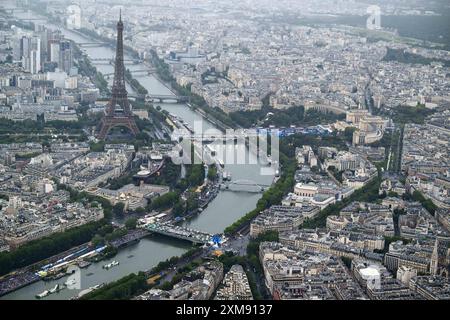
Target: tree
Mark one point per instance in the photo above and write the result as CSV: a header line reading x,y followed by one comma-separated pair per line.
x,y
97,240
165,201
212,173
178,208
130,224
426,203
348,133
43,248
393,194
118,209
347,261
140,210
192,202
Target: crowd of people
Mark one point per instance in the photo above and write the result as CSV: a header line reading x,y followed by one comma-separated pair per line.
x,y
17,280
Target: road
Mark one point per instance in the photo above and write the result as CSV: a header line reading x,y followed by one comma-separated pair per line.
x,y
237,244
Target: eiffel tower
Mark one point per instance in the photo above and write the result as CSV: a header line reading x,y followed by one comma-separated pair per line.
x,y
118,111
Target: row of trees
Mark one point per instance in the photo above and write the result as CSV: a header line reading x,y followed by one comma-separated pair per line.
x,y
403,56
272,196
44,248
134,83
169,175
122,289
406,114
108,233
87,69
368,193
165,201
288,144
426,203
163,71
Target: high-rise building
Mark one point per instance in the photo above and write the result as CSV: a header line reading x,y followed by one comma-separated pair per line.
x,y
65,56
53,37
31,54
54,51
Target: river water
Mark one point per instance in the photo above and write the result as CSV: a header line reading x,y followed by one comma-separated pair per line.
x,y
226,208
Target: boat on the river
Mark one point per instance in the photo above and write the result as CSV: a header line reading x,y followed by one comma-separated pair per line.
x,y
110,265
43,294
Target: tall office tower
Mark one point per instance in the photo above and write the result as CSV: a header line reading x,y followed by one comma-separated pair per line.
x,y
31,54
118,112
65,62
43,35
54,51
53,37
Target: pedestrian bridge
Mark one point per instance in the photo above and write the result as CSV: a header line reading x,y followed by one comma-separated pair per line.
x,y
179,232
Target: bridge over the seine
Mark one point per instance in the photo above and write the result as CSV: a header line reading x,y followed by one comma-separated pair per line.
x,y
178,232
133,72
112,61
168,98
92,45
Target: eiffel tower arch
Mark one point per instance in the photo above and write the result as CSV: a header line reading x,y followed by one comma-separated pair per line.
x,y
118,112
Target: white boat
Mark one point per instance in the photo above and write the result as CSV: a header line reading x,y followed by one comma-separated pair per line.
x,y
110,265
42,294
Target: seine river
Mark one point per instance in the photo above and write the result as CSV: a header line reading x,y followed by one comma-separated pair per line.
x,y
226,208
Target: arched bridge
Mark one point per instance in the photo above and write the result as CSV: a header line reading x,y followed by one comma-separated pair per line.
x,y
167,98
112,61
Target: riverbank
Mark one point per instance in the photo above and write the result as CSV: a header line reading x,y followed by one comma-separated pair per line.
x,y
27,275
197,103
